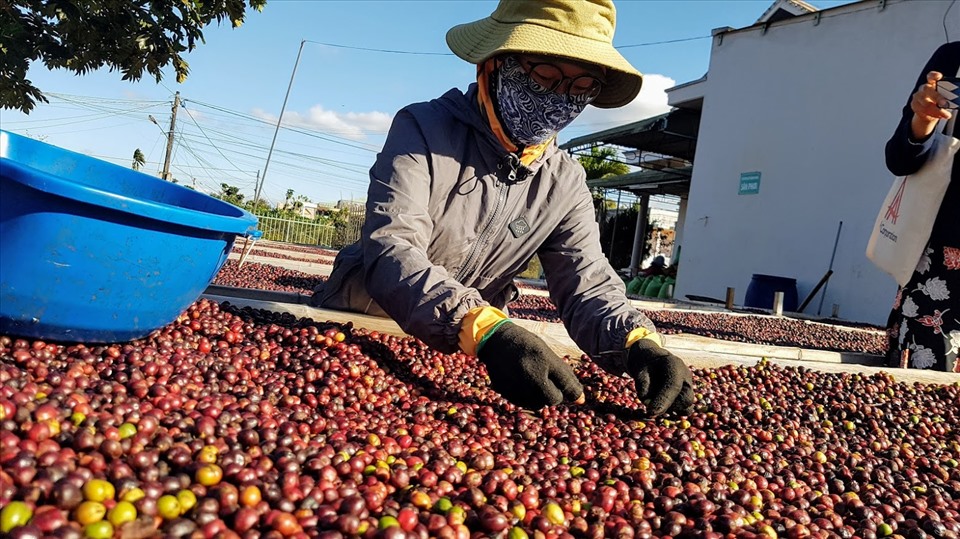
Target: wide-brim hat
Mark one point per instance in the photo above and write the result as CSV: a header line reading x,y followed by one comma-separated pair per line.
x,y
580,30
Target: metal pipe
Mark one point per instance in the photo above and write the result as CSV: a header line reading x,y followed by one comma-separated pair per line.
x,y
823,295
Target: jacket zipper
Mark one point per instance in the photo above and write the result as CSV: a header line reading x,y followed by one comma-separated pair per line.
x,y
503,189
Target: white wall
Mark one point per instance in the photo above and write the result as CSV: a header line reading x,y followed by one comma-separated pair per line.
x,y
810,107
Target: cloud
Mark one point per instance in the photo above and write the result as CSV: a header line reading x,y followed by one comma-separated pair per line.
x,y
351,125
197,114
651,101
136,96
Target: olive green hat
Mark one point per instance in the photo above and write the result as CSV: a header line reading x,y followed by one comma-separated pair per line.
x,y
580,30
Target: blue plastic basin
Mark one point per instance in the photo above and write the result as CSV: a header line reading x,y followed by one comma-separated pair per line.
x,y
95,252
761,289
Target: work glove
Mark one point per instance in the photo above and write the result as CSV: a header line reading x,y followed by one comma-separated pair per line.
x,y
663,381
525,371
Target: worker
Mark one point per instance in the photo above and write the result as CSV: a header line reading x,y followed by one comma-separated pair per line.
x,y
470,186
924,326
656,267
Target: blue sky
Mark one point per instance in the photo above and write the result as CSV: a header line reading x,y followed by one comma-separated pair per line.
x,y
342,99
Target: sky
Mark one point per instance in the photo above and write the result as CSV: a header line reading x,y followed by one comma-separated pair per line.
x,y
342,99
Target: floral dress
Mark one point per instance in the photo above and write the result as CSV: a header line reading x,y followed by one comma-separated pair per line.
x,y
926,313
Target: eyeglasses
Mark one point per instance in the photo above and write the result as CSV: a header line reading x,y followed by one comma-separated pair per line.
x,y
549,78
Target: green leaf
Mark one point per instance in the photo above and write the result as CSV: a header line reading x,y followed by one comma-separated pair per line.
x,y
83,35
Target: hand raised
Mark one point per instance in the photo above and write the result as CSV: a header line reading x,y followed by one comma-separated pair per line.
x,y
926,105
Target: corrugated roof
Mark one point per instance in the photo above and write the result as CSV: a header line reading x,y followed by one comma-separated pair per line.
x,y
672,134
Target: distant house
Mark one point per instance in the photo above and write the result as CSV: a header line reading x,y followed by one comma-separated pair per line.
x,y
351,205
784,137
310,210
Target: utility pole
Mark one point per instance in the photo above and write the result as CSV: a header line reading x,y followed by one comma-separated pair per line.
x,y
256,192
173,123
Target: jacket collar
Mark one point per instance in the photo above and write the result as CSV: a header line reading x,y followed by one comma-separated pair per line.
x,y
465,107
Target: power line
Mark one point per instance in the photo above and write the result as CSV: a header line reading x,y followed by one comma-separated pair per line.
x,y
946,33
630,46
289,165
148,162
324,174
665,42
80,118
101,115
428,53
155,142
236,127
74,130
208,139
344,165
388,51
202,162
68,97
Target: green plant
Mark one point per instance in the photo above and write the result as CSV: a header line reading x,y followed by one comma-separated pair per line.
x,y
138,159
534,269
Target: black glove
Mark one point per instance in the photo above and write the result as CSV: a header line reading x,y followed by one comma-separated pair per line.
x,y
663,380
525,371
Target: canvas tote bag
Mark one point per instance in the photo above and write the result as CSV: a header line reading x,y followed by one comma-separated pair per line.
x,y
906,217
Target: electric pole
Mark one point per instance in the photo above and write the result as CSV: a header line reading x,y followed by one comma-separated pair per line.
x,y
173,123
256,192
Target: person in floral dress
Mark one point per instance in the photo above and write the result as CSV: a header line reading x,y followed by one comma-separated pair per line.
x,y
924,327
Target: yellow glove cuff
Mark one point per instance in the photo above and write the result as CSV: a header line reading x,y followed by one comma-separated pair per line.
x,y
643,333
477,322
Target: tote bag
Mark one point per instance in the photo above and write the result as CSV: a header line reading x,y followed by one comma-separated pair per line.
x,y
906,218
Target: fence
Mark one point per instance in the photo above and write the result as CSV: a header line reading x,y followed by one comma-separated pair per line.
x,y
294,231
349,232
308,232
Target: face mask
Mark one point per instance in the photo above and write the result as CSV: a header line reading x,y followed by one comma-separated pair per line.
x,y
530,115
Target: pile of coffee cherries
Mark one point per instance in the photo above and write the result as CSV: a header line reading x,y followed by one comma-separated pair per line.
x,y
240,423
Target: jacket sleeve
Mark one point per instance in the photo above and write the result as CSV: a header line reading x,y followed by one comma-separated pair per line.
x,y
421,297
589,295
905,155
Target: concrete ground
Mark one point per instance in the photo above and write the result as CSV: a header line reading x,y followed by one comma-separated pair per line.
x,y
697,351
316,268
313,267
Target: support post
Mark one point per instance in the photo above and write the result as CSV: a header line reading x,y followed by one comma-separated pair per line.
x,y
616,217
639,235
730,295
830,269
283,108
778,303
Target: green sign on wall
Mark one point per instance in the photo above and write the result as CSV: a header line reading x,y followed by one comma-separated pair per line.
x,y
749,183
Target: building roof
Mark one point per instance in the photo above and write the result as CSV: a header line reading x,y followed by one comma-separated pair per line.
x,y
650,182
672,134
785,9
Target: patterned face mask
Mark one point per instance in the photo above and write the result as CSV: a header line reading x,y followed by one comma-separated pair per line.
x,y
529,114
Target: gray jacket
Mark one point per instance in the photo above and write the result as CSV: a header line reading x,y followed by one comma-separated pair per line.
x,y
452,218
